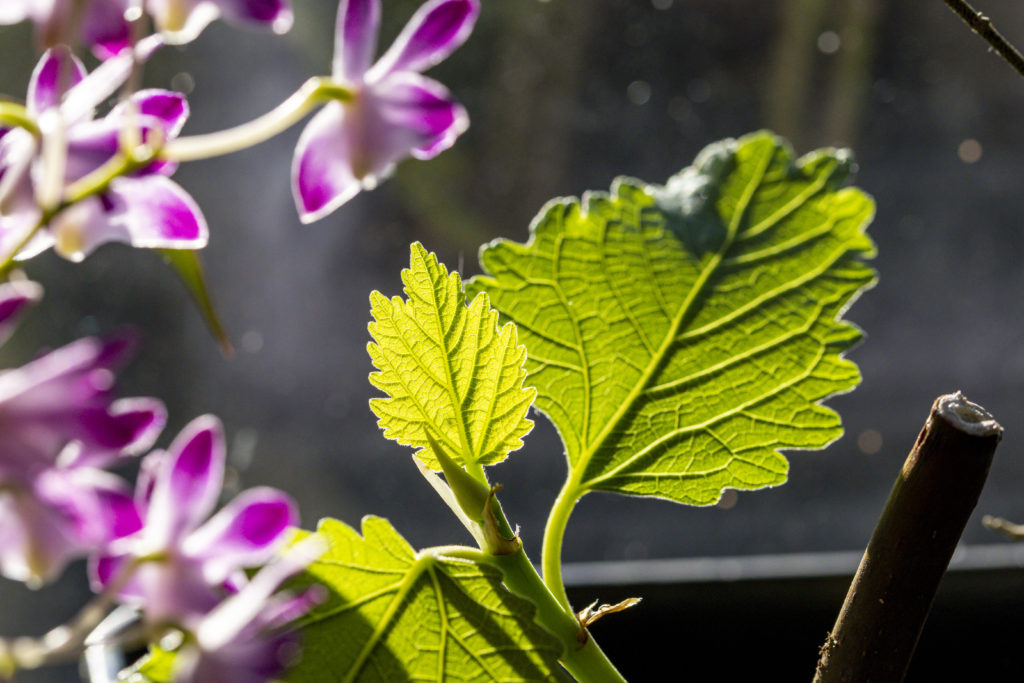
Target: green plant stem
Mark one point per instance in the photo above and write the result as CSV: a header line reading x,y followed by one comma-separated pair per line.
x,y
554,532
583,657
313,93
16,115
586,661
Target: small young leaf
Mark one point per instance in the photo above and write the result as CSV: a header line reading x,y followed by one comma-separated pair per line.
x,y
680,336
448,369
186,264
397,615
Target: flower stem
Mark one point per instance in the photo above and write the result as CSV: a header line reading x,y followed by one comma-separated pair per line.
x,y
87,186
16,116
314,92
63,643
554,532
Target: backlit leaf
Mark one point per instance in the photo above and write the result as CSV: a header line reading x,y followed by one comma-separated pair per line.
x,y
447,368
680,336
397,615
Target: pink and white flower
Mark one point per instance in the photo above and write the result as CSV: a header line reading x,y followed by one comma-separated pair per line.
x,y
183,565
247,637
395,113
60,426
143,209
181,21
102,24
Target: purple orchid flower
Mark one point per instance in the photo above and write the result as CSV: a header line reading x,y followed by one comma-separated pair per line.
x,y
185,566
59,427
143,209
246,638
395,113
100,24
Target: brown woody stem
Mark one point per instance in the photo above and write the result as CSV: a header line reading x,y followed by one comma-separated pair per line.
x,y
891,594
982,25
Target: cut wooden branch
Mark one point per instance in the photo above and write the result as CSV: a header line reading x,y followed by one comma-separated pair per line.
x,y
891,594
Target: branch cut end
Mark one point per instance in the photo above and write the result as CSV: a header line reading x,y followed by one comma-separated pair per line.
x,y
966,416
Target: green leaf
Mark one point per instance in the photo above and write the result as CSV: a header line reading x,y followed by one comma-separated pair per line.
x,y
680,336
447,369
186,264
397,615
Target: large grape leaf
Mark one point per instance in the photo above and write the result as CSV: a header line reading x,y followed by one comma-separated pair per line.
x,y
447,368
397,615
679,336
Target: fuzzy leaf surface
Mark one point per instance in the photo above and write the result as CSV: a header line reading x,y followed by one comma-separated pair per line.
x,y
679,336
447,369
397,615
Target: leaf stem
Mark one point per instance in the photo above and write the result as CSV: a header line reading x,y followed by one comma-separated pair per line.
x,y
314,92
586,661
554,532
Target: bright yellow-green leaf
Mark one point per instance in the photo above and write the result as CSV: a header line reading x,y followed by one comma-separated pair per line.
x,y
447,368
396,615
680,336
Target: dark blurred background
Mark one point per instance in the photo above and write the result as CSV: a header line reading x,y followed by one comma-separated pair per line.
x,y
564,96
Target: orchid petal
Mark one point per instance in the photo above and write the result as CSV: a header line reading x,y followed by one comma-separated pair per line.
x,y
95,504
234,614
15,297
189,483
35,539
168,588
355,39
424,118
15,11
433,33
64,514
167,107
148,212
157,214
128,427
181,21
17,149
81,227
54,75
245,533
63,396
93,143
105,28
277,14
104,80
322,175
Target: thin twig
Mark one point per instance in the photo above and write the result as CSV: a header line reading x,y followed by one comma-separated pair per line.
x,y
1014,531
982,25
889,599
